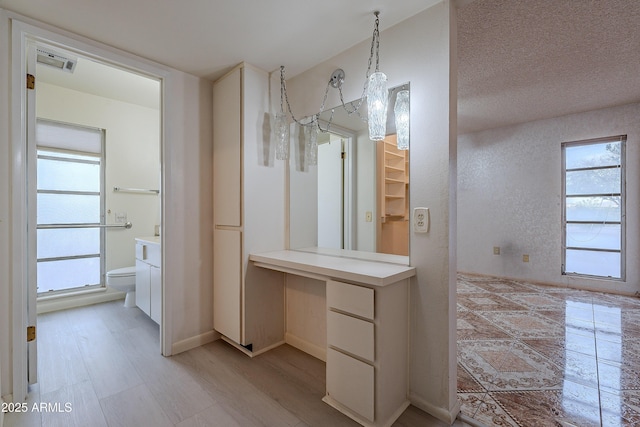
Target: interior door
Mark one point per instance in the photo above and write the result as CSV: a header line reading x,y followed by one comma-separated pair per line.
x,y
32,346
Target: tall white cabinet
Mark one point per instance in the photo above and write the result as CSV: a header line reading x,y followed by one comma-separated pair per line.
x,y
248,212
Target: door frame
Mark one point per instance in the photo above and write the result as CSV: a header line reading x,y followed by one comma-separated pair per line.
x,y
21,34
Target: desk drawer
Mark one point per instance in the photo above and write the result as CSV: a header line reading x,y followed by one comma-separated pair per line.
x,y
352,335
352,299
351,382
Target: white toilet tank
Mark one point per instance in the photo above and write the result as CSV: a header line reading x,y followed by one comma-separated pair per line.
x,y
122,277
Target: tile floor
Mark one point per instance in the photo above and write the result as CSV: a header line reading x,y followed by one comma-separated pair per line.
x,y
533,355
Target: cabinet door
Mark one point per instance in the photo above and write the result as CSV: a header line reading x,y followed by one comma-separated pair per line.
x,y
227,283
227,153
143,289
351,383
155,294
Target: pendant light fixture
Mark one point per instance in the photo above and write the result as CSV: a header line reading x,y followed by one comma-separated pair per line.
x,y
374,89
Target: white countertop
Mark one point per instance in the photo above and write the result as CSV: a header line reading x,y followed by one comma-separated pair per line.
x,y
366,272
153,240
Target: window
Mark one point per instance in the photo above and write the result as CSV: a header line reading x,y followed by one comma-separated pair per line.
x,y
594,213
69,207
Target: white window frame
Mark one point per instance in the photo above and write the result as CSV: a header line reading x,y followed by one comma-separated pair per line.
x,y
100,159
619,138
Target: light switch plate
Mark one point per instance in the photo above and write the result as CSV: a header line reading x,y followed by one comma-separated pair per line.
x,y
420,220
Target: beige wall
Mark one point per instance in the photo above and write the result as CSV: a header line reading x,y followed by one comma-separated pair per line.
x,y
187,209
420,50
510,189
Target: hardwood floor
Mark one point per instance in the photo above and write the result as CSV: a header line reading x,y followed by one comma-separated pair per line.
x,y
101,366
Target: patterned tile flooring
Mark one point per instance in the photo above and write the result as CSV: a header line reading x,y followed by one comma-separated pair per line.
x,y
533,355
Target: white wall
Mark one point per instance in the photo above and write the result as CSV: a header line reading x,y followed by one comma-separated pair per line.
x,y
420,50
187,186
188,207
509,195
132,148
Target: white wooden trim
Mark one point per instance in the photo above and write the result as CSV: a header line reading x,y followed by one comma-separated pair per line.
x,y
195,341
87,298
306,346
24,28
19,212
251,353
448,416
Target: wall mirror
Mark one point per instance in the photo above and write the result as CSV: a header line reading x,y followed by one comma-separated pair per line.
x,y
357,196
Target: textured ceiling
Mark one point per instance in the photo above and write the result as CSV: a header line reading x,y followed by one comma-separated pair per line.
x,y
528,60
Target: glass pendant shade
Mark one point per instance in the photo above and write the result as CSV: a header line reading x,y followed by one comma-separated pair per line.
x,y
377,100
311,151
401,111
281,132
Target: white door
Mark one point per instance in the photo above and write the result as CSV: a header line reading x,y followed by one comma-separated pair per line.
x,y
32,347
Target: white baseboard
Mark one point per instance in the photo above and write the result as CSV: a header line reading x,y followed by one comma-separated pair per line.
x,y
48,304
251,353
443,414
193,342
306,346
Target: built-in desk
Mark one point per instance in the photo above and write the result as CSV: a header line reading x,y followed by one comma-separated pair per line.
x,y
358,313
335,264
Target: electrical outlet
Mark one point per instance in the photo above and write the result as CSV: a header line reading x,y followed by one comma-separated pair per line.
x,y
525,258
420,220
496,250
369,216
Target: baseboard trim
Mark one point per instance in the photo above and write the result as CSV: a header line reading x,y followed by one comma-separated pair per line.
x,y
193,342
306,346
79,300
443,414
251,353
571,282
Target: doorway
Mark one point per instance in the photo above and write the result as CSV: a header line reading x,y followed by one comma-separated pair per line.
x,y
26,37
97,135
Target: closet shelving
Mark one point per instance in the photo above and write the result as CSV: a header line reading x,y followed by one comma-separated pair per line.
x,y
396,180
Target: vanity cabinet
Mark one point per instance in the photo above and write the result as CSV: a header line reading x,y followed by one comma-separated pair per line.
x,y
148,278
367,342
248,212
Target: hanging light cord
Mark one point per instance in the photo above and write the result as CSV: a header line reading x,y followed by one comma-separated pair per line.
x,y
355,108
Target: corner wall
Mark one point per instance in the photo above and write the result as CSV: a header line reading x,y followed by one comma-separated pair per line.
x,y
422,51
510,195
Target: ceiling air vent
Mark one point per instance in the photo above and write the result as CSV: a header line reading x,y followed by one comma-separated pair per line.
x,y
56,60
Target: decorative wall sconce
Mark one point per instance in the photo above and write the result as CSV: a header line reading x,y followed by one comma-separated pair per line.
x,y
374,89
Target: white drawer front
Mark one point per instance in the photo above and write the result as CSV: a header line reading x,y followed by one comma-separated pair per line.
x,y
351,382
352,335
149,253
352,299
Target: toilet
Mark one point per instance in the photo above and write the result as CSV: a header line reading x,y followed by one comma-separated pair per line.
x,y
124,280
